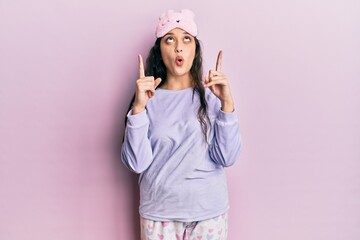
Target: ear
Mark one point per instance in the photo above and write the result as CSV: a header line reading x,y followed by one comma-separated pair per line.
x,y
169,12
162,16
188,13
166,14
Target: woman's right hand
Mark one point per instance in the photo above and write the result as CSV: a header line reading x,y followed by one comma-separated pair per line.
x,y
145,88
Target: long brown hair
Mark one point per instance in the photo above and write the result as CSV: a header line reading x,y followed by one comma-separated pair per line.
x,y
155,67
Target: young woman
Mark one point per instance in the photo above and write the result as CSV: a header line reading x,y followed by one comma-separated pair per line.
x,y
180,133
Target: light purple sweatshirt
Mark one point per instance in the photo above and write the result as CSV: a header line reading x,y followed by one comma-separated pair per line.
x,y
181,178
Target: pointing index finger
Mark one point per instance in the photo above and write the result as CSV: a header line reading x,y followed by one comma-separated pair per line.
x,y
141,67
219,61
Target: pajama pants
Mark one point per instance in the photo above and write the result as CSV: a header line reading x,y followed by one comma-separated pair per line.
x,y
209,229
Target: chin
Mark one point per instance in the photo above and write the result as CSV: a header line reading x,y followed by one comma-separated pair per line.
x,y
182,71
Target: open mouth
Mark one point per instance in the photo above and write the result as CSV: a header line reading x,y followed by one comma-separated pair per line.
x,y
179,60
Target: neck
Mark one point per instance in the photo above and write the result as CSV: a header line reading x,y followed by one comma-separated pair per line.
x,y
178,82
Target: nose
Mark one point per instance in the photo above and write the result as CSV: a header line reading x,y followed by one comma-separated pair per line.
x,y
178,48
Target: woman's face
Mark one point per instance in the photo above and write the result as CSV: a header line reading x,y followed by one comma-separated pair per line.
x,y
178,51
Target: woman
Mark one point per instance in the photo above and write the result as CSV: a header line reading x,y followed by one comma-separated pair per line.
x,y
180,134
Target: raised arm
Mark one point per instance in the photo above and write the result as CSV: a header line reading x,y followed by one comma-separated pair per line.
x,y
226,143
136,152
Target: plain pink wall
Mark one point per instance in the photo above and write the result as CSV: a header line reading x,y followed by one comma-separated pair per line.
x,y
67,71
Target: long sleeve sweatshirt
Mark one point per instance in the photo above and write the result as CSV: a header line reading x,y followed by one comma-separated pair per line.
x,y
181,177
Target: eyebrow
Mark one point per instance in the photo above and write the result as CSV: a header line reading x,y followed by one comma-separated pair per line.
x,y
174,34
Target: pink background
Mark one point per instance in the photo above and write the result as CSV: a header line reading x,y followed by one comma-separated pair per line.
x,y
67,71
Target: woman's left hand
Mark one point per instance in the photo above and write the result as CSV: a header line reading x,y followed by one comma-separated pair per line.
x,y
219,85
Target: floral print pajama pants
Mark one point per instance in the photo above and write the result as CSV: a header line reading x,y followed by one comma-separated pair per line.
x,y
210,229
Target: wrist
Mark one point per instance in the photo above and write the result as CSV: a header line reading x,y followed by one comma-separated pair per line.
x,y
227,106
137,109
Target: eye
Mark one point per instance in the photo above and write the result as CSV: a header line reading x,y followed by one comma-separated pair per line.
x,y
169,39
187,39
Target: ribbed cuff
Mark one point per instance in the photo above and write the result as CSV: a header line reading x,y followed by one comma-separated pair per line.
x,y
138,119
227,117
